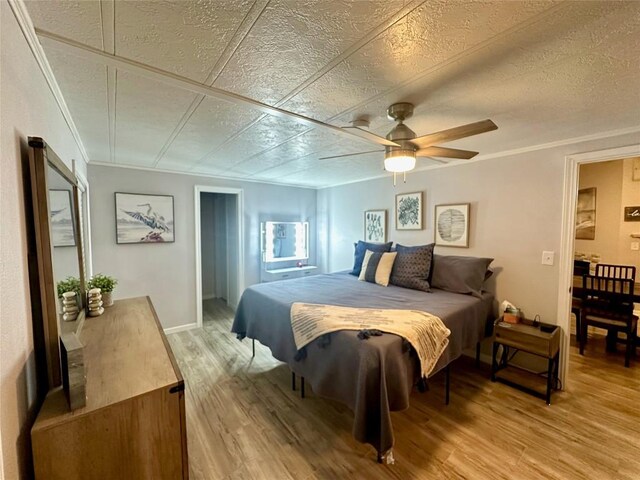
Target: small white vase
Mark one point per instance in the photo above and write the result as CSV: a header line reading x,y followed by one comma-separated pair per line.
x,y
107,299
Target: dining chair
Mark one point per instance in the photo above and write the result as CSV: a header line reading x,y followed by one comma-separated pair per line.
x,y
580,268
608,303
616,271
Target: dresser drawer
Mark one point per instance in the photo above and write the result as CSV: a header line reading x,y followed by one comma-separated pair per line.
x,y
287,273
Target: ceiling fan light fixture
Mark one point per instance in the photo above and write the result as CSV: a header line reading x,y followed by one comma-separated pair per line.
x,y
400,161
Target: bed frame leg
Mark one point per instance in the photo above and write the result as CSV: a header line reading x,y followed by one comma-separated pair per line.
x,y
447,384
423,385
301,387
293,381
478,355
380,460
253,347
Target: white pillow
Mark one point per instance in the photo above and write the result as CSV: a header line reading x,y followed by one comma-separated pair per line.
x,y
376,267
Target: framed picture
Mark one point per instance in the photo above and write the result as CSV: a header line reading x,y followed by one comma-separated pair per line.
x,y
452,225
63,232
142,218
632,214
586,214
375,226
409,211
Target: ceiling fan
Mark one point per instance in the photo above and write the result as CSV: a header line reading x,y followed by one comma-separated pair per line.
x,y
402,146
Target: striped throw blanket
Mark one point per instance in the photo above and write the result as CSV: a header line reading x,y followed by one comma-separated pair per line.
x,y
425,332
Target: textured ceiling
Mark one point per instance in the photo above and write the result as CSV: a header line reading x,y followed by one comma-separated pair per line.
x,y
543,71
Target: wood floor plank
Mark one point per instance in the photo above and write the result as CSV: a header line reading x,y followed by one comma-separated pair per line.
x,y
244,422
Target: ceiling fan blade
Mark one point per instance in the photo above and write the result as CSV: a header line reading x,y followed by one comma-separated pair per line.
x,y
372,137
455,133
435,151
439,160
351,154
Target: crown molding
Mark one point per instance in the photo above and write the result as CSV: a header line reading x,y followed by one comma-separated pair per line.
x,y
23,18
201,175
509,153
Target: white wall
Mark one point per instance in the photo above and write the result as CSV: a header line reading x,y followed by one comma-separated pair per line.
x,y
27,107
516,209
606,177
630,197
166,272
615,190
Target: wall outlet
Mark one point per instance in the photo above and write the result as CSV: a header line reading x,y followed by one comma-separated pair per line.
x,y
635,246
547,258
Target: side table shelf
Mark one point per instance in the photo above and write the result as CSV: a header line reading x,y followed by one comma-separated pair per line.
x,y
528,338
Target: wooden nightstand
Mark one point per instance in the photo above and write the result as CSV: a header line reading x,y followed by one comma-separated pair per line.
x,y
531,339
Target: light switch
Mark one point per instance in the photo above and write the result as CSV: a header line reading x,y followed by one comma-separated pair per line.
x,y
635,245
547,258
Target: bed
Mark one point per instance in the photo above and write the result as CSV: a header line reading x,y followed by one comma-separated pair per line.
x,y
372,377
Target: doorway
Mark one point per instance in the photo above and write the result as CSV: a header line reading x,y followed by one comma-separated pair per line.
x,y
219,251
568,242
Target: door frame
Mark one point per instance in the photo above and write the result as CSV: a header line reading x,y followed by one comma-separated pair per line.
x,y
570,194
239,193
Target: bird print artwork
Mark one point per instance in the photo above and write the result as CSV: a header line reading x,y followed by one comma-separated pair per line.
x,y
144,218
60,218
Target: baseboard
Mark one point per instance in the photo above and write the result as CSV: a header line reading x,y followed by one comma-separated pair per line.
x,y
209,296
180,328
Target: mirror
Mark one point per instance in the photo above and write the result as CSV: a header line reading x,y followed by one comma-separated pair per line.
x,y
56,246
65,242
283,241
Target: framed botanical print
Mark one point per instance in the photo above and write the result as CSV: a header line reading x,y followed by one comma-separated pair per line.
x,y
375,226
409,211
452,225
142,218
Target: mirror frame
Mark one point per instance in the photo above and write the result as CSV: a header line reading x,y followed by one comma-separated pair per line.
x,y
263,240
41,156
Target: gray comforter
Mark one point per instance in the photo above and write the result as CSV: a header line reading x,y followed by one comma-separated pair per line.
x,y
373,377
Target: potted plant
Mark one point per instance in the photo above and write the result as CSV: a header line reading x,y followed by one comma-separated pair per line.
x,y
69,284
106,285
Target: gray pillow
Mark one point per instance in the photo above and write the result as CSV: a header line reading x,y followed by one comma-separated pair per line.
x,y
412,267
460,274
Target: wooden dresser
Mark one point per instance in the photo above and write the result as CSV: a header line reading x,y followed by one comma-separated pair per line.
x,y
133,424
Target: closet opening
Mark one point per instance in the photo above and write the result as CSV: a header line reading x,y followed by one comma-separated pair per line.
x,y
219,255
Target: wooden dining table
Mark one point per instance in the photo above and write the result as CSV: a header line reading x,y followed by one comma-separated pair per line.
x,y
577,289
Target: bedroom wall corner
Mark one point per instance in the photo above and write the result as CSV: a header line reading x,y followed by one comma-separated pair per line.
x,y
27,107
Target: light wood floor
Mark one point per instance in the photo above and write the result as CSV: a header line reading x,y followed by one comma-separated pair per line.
x,y
244,422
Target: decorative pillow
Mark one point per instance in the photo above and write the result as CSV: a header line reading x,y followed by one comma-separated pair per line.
x,y
376,267
412,267
460,274
361,248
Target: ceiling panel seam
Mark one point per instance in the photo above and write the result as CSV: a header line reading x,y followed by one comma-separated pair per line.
x,y
23,18
456,58
108,27
516,28
249,20
368,38
147,71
